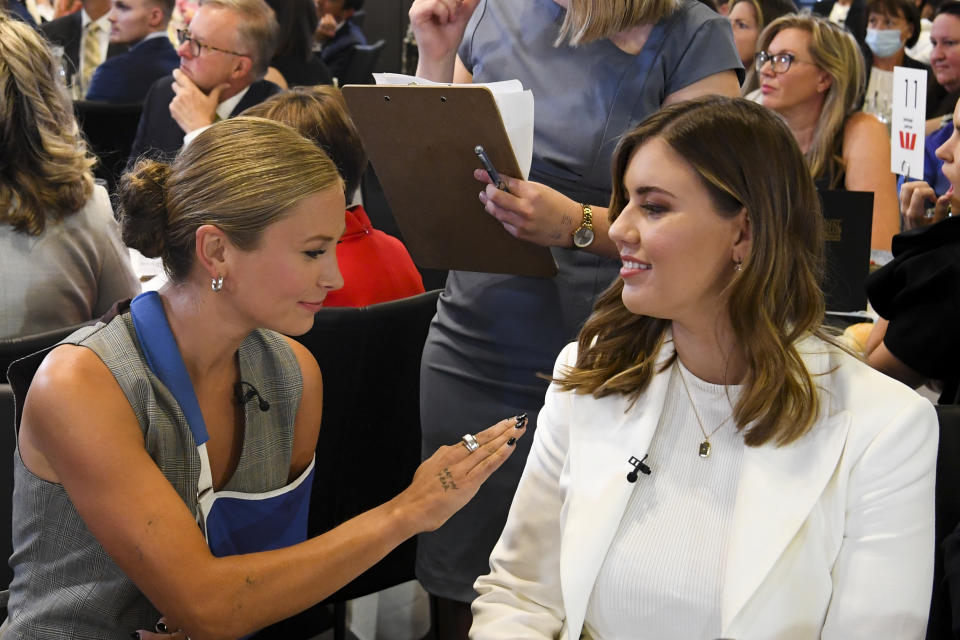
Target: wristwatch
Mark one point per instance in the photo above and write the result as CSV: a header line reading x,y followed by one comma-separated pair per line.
x,y
583,236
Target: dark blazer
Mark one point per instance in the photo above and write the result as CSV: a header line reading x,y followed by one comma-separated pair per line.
x,y
337,51
127,78
66,31
158,134
18,10
856,21
299,72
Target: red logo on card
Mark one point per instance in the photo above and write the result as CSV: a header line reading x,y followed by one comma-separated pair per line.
x,y
908,140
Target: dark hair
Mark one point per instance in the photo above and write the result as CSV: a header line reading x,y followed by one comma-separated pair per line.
x,y
320,114
746,158
952,7
298,21
356,5
895,8
241,175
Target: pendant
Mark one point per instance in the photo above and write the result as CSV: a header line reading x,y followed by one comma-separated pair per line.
x,y
705,449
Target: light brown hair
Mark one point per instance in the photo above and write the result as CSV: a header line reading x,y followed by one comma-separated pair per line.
x,y
320,114
747,158
45,168
258,29
241,175
589,20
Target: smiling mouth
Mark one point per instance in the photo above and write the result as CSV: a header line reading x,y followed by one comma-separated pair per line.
x,y
632,264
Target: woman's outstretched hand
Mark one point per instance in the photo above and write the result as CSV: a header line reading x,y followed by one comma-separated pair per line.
x,y
449,478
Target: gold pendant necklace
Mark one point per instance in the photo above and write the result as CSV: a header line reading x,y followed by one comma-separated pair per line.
x,y
705,448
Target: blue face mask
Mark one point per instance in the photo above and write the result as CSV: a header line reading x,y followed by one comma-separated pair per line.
x,y
883,42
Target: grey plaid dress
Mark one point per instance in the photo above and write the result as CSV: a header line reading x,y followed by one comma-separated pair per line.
x,y
65,585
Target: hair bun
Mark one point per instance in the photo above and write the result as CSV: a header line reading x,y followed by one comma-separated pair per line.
x,y
143,209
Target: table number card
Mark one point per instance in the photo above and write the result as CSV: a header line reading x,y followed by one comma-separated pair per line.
x,y
908,122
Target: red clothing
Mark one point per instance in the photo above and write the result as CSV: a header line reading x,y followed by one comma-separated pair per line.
x,y
375,266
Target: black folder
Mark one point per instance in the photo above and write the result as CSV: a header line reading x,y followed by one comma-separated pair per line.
x,y
848,221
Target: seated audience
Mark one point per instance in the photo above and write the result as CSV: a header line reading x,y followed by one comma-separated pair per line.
x,y
893,25
846,13
708,463
917,197
747,19
294,59
338,34
917,295
811,73
132,428
61,258
85,38
141,24
223,57
375,266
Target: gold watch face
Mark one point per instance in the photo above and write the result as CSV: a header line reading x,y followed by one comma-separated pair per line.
x,y
583,237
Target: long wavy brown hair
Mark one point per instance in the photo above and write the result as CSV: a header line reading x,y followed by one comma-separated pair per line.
x,y
747,158
45,169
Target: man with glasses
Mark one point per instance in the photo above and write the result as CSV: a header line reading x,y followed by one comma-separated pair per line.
x,y
224,55
126,78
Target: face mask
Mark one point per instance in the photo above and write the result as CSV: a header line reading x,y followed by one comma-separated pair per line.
x,y
883,42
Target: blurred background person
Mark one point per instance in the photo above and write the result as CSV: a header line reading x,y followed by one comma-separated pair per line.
x,y
294,58
85,38
338,33
811,73
747,19
376,267
61,258
141,25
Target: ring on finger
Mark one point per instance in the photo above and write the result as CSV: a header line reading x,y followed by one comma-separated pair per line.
x,y
929,212
470,442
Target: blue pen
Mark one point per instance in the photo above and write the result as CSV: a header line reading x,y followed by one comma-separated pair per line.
x,y
489,168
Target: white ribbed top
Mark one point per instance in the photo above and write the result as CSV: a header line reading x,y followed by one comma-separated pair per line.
x,y
663,573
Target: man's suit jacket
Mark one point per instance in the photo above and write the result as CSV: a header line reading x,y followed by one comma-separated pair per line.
x,y
832,535
336,52
66,32
158,134
127,78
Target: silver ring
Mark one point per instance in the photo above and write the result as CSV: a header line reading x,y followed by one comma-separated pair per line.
x,y
470,442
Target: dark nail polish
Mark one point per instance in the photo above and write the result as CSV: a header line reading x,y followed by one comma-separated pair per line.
x,y
135,635
521,421
511,442
162,627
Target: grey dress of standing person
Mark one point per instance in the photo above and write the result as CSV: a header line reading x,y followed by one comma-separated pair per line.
x,y
494,335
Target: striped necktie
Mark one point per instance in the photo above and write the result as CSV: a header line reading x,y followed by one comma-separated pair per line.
x,y
91,53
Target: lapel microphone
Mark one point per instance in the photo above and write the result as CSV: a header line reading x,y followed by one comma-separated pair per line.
x,y
637,465
251,393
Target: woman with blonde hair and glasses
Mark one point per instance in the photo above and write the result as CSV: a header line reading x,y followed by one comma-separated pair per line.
x,y
61,259
812,73
707,463
190,406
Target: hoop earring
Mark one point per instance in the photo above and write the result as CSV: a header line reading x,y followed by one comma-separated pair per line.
x,y
216,283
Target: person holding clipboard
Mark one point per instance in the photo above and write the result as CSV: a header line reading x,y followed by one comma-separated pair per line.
x,y
595,72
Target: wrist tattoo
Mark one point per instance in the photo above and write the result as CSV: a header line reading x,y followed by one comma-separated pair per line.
x,y
446,480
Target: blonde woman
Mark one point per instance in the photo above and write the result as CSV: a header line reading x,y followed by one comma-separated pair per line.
x,y
134,428
707,464
747,19
812,73
61,259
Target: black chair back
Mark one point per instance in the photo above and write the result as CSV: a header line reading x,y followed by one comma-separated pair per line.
x,y
363,62
7,451
369,445
945,603
110,130
15,348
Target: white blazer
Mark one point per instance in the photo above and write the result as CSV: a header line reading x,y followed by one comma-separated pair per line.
x,y
832,535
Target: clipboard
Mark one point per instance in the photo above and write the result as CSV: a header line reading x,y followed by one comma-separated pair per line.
x,y
420,140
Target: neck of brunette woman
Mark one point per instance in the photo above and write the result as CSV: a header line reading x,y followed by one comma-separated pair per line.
x,y
710,351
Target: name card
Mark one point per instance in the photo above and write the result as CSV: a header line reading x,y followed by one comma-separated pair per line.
x,y
907,131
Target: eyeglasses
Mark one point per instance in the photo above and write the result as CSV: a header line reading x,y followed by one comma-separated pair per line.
x,y
196,46
780,63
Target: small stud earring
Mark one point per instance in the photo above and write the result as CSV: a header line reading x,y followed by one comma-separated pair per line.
x,y
216,283
739,266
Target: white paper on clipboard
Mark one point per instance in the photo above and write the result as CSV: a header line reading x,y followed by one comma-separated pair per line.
x,y
907,130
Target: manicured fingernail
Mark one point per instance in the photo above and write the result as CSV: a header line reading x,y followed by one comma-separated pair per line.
x,y
135,635
161,627
511,442
521,420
